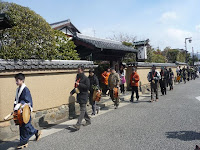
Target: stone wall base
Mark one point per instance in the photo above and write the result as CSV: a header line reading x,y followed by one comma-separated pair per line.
x,y
42,119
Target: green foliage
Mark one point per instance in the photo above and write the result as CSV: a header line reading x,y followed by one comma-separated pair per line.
x,y
181,57
149,54
155,55
65,47
158,58
129,57
127,44
174,55
192,59
30,37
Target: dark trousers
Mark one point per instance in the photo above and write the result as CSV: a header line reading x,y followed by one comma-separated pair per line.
x,y
115,100
134,90
122,88
154,90
105,88
167,82
163,86
83,114
170,84
184,79
26,132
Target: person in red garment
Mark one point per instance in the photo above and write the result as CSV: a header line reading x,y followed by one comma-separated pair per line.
x,y
134,79
105,75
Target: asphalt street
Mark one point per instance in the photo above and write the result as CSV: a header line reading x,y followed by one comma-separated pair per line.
x,y
172,123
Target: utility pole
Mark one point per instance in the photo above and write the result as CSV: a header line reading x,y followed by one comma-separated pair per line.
x,y
192,56
190,40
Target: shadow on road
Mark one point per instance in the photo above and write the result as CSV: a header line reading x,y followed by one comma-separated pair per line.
x,y
63,126
184,135
71,129
8,144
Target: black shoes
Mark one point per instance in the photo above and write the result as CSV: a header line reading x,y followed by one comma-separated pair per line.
x,y
38,135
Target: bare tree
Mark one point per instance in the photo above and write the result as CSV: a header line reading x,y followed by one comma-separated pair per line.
x,y
123,37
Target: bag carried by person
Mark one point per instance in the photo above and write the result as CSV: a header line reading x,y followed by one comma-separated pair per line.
x,y
97,95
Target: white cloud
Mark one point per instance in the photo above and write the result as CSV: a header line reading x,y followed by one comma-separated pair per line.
x,y
198,27
178,34
168,16
173,37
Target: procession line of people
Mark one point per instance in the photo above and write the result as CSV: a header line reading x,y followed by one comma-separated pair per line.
x,y
88,88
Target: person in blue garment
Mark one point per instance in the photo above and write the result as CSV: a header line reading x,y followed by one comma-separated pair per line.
x,y
23,96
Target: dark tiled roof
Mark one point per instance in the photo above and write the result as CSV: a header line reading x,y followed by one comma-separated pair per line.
x,y
146,64
104,43
181,63
60,23
141,43
9,65
65,23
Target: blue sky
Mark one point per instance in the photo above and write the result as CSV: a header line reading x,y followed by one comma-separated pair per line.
x,y
164,22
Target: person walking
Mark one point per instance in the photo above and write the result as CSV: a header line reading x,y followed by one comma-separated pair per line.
x,y
82,85
105,75
184,75
180,74
188,73
94,85
163,75
167,77
23,98
154,77
113,84
122,79
171,78
134,79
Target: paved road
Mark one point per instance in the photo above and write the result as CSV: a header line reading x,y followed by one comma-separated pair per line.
x,y
173,123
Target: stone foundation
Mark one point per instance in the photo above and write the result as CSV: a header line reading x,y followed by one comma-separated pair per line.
x,y
42,119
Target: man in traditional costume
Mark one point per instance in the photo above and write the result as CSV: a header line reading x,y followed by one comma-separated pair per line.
x,y
23,97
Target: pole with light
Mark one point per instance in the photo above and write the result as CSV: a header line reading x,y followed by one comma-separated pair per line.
x,y
190,40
